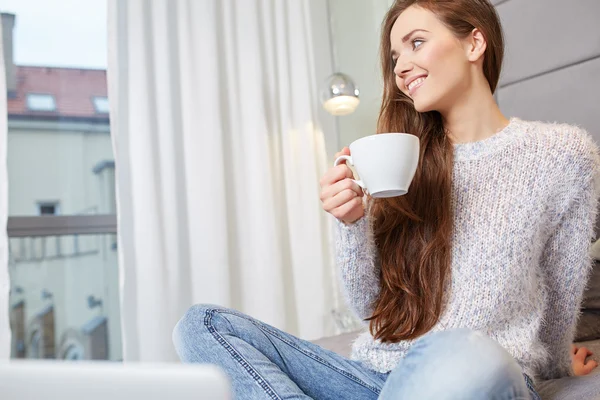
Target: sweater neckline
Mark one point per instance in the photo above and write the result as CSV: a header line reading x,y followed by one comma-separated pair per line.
x,y
499,140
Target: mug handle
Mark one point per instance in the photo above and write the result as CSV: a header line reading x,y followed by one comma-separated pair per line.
x,y
349,159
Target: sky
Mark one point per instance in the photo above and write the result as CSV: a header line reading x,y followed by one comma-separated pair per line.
x,y
59,33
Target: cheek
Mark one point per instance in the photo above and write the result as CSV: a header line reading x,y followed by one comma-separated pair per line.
x,y
435,58
445,64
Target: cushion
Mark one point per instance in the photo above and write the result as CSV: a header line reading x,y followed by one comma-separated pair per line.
x,y
588,326
341,344
591,297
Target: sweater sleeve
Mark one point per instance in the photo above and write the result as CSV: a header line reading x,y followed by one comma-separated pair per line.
x,y
566,263
356,256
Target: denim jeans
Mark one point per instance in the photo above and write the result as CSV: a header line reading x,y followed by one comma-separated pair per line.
x,y
263,362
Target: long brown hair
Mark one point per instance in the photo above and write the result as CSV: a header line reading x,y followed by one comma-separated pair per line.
x,y
413,232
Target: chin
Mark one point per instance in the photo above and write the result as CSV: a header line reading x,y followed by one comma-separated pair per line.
x,y
426,102
423,107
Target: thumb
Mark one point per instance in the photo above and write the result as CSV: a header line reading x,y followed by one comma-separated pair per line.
x,y
344,152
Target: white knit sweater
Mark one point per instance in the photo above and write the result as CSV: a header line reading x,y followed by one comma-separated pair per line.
x,y
525,203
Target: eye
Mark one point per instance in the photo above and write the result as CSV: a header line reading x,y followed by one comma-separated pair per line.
x,y
415,41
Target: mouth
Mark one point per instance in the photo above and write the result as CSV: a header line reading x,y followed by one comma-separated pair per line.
x,y
415,84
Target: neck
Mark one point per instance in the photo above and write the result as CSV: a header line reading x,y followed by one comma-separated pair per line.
x,y
474,116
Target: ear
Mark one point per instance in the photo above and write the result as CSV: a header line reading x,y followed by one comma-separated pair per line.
x,y
475,45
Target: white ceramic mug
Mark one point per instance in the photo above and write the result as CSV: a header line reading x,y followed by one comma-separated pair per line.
x,y
386,163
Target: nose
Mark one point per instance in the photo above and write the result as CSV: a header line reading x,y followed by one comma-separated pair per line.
x,y
402,68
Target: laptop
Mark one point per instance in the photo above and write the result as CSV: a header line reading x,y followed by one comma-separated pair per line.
x,y
102,380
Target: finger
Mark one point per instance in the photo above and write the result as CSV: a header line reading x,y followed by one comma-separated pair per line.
x,y
344,152
335,174
587,368
339,199
345,209
331,191
573,349
338,155
581,355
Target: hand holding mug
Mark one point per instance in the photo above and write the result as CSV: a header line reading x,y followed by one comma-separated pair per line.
x,y
386,164
341,196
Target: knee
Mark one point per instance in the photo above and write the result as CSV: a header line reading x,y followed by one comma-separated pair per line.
x,y
469,353
192,324
456,363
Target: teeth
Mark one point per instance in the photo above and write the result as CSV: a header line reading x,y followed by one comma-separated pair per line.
x,y
415,83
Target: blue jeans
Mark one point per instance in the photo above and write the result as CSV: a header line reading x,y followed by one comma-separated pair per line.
x,y
266,363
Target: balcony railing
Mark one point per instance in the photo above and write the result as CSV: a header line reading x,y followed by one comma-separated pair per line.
x,y
58,225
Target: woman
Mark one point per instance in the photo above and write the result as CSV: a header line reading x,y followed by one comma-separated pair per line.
x,y
472,281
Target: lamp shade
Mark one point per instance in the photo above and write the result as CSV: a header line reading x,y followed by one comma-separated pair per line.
x,y
339,95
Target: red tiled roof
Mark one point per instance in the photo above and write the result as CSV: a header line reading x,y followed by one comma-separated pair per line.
x,y
73,90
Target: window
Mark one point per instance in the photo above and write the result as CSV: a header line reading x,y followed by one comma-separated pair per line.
x,y
64,294
87,324
48,208
74,352
101,105
17,323
41,102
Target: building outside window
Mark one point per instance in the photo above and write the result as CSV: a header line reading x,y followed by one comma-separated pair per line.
x,y
64,300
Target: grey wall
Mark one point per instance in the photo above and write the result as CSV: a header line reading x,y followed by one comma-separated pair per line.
x,y
552,66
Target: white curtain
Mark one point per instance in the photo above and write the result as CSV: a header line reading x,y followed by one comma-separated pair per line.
x,y
218,159
5,336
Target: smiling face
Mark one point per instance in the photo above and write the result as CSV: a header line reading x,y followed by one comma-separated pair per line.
x,y
431,64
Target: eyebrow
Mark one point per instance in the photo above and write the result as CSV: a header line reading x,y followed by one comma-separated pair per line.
x,y
407,36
